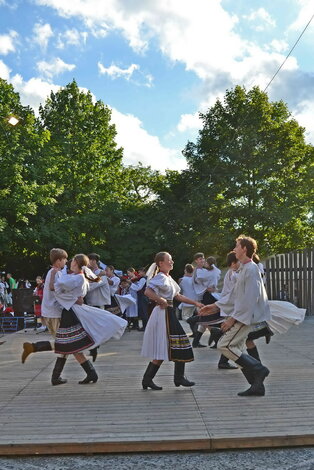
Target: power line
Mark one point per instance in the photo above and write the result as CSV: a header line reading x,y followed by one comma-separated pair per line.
x,y
294,45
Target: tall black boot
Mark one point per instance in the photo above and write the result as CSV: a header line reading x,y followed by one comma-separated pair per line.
x,y
196,341
256,371
91,373
93,352
266,332
215,335
179,378
29,348
254,353
58,368
224,363
149,374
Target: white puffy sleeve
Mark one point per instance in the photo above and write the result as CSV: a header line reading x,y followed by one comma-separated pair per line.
x,y
157,283
68,282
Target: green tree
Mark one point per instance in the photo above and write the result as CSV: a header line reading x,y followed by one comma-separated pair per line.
x,y
251,167
21,189
82,157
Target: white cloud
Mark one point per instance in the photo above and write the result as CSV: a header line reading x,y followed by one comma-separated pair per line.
x,y
8,42
115,72
4,71
42,34
189,122
71,37
278,45
305,8
132,73
54,67
260,19
140,146
303,113
34,91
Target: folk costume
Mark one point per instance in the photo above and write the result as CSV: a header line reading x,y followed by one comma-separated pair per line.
x,y
82,326
248,306
203,279
164,337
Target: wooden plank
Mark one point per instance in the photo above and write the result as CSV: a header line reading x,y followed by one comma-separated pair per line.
x,y
115,415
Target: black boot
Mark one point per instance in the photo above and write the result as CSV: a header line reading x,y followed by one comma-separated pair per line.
x,y
254,353
91,373
93,352
149,374
179,378
29,348
215,335
224,363
253,370
196,341
58,368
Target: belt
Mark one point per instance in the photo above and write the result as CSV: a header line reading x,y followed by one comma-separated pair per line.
x,y
170,303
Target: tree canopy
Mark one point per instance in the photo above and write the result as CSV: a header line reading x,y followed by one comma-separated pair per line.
x,y
63,183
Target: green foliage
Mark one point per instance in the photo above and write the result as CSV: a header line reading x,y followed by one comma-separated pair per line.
x,y
63,184
252,167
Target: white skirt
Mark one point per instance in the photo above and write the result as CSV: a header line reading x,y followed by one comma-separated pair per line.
x,y
155,341
100,324
284,315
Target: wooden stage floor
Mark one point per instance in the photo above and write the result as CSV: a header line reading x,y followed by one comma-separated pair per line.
x,y
116,415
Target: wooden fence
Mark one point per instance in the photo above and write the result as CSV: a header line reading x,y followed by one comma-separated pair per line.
x,y
290,276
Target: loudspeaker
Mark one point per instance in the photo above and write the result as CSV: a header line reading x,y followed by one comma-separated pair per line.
x,y
23,301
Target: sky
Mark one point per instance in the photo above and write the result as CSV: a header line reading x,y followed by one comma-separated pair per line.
x,y
158,63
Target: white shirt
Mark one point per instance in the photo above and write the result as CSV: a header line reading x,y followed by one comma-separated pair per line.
x,y
69,287
187,289
115,285
138,285
98,293
229,282
50,308
247,302
164,286
204,278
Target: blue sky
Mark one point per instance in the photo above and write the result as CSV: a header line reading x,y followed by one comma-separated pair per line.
x,y
158,63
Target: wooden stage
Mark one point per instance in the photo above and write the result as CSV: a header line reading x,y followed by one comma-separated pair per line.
x,y
116,415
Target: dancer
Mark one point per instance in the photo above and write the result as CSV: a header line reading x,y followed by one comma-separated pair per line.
x,y
82,326
187,289
51,312
246,306
205,284
212,321
164,337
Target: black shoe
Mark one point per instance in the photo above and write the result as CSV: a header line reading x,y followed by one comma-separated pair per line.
x,y
179,378
150,384
91,373
58,368
58,381
253,369
183,381
93,352
149,374
253,391
227,366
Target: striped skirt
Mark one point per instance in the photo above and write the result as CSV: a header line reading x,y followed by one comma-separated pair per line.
x,y
71,336
165,339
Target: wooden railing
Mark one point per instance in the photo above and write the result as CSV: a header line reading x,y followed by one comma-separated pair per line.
x,y
290,276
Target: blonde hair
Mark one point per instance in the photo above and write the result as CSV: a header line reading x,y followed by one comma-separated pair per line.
x,y
83,260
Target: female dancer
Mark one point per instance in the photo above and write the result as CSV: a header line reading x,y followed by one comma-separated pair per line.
x,y
81,326
164,337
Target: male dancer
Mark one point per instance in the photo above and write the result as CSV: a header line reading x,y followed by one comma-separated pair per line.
x,y
51,311
246,306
